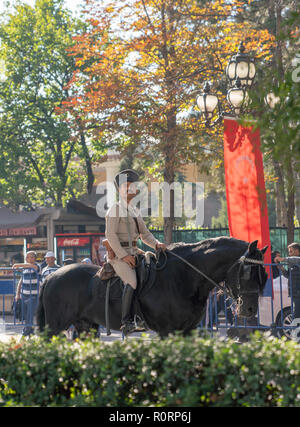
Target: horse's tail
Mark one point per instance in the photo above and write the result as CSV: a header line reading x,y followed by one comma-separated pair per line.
x,y
40,313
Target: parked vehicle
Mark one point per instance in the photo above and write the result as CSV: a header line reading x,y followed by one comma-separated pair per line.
x,y
276,312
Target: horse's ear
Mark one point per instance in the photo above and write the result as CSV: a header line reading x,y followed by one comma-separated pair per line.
x,y
264,250
252,247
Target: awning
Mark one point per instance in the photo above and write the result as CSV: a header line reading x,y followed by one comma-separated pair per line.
x,y
21,224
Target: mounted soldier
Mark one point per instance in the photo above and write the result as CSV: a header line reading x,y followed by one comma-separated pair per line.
x,y
124,226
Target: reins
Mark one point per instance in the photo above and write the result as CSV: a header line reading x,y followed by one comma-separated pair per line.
x,y
224,288
197,270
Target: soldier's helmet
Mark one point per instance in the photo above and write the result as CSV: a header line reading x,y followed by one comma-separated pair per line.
x,y
127,175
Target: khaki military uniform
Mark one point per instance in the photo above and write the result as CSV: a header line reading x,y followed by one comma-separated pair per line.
x,y
121,228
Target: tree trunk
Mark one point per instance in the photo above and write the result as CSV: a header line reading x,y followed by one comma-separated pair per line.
x,y
290,214
279,42
169,175
297,192
281,206
291,203
168,50
168,229
88,164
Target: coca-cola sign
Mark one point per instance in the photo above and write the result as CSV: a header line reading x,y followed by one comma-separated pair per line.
x,y
63,242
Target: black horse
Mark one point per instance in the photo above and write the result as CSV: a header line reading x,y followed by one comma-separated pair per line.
x,y
175,301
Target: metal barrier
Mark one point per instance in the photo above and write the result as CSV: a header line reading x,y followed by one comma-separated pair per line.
x,y
278,236
22,314
7,291
275,312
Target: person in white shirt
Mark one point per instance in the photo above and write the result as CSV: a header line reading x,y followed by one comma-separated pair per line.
x,y
28,290
51,265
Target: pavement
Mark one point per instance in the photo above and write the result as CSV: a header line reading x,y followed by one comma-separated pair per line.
x,y
12,331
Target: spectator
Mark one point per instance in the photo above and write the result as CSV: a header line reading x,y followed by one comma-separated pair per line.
x,y
18,258
51,266
28,289
43,265
86,261
293,274
275,269
68,261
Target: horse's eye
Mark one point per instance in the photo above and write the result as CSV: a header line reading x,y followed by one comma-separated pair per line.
x,y
246,272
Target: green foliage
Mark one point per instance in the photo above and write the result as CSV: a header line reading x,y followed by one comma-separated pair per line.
x,y
279,125
173,372
38,144
221,220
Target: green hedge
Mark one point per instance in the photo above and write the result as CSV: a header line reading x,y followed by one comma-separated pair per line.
x,y
174,372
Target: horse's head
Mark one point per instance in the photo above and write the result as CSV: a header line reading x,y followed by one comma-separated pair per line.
x,y
246,279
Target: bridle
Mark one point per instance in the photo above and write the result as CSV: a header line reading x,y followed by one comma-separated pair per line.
x,y
244,272
224,288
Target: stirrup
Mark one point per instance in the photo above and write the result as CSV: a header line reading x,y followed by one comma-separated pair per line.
x,y
139,323
128,328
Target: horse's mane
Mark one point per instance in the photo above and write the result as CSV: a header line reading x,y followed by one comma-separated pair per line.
x,y
212,243
90,269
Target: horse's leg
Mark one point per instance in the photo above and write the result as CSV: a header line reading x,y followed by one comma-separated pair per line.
x,y
163,334
71,333
84,326
51,326
56,324
52,331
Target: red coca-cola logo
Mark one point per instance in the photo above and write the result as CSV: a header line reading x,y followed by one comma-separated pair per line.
x,y
73,241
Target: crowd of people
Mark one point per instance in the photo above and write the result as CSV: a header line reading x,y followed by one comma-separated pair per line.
x,y
33,276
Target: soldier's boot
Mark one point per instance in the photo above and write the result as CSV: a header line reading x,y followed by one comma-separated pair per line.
x,y
128,325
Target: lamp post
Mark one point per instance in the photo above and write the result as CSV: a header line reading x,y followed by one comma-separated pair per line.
x,y
241,66
207,104
238,97
243,162
240,72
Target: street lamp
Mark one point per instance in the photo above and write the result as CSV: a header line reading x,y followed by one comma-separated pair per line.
x,y
240,72
272,100
207,104
238,97
243,162
241,66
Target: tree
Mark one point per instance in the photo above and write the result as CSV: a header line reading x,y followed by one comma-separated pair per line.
x,y
280,126
44,155
140,67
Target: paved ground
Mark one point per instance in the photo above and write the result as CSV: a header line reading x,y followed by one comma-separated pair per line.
x,y
9,331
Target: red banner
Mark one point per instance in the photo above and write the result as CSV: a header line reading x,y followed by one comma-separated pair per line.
x,y
245,186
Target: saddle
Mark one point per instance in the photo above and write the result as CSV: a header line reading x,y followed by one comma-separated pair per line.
x,y
145,270
106,272
113,286
143,262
